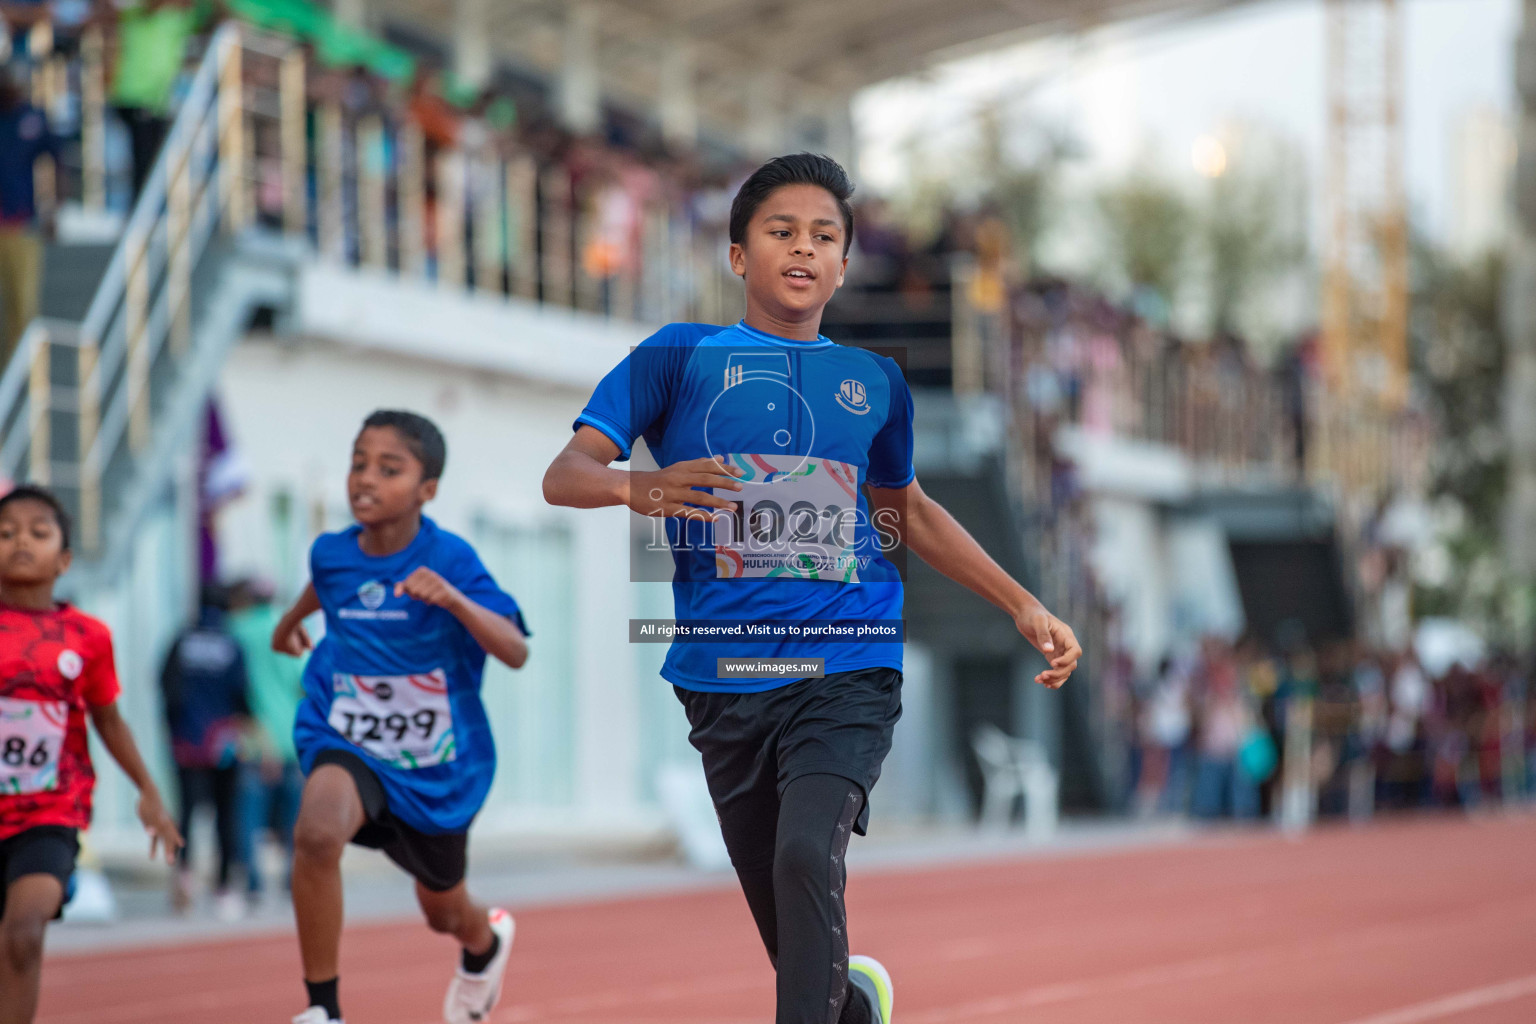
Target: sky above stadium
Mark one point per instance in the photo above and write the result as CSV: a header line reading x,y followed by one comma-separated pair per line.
x,y
1126,93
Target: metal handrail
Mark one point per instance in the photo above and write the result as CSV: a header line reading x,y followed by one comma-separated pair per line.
x,y
195,184
114,416
146,210
13,392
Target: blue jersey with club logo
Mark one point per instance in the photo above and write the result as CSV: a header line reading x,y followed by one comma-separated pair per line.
x,y
397,681
808,423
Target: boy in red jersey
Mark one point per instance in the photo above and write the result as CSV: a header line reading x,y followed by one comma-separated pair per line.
x,y
55,667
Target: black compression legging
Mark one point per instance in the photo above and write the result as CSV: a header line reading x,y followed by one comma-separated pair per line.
x,y
795,891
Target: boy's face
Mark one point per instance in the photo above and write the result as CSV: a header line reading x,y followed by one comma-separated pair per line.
x,y
385,480
792,255
31,544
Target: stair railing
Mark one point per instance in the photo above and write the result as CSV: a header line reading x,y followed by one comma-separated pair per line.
x,y
77,406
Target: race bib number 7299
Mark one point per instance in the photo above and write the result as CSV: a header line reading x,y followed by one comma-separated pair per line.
x,y
31,737
404,721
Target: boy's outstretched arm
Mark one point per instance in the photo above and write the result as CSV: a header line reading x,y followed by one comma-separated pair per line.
x,y
932,534
498,634
580,477
289,636
118,739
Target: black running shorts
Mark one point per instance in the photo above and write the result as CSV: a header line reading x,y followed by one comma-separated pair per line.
x,y
42,850
755,744
438,862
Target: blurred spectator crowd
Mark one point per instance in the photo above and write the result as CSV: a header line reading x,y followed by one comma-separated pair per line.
x,y
387,158
1080,359
1221,732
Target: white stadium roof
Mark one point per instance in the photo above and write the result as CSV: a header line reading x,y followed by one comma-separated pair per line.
x,y
806,53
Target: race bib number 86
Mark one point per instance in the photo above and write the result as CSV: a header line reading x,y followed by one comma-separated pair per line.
x,y
404,721
794,519
31,737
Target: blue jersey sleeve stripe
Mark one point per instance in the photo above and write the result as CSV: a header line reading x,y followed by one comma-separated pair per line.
x,y
612,432
892,486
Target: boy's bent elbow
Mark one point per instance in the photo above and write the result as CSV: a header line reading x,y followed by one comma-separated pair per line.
x,y
556,482
551,487
578,478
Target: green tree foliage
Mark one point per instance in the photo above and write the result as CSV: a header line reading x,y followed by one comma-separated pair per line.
x,y
1018,185
1012,168
1149,228
1249,241
1457,347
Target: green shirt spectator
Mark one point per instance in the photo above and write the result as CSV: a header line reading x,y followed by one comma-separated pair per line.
x,y
152,50
275,680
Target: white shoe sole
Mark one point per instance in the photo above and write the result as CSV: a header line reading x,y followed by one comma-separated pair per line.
x,y
505,928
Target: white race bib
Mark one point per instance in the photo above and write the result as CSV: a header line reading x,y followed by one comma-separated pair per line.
x,y
31,737
794,519
404,721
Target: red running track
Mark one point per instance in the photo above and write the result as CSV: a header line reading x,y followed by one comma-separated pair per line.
x,y
1400,923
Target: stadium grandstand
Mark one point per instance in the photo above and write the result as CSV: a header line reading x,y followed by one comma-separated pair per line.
x,y
267,218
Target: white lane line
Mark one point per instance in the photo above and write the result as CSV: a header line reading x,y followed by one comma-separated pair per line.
x,y
1472,999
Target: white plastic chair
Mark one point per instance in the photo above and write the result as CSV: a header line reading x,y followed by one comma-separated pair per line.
x,y
1011,768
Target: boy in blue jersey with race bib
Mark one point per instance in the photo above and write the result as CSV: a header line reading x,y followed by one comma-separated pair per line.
x,y
786,473
391,731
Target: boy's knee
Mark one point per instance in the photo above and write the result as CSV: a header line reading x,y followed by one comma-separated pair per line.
x,y
318,842
802,856
21,943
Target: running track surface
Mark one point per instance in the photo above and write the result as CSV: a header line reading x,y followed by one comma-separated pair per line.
x,y
1398,923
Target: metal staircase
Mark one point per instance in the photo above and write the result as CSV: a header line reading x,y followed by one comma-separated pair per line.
x,y
97,410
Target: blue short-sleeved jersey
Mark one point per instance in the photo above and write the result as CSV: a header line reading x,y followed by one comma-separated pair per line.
x,y
809,423
397,681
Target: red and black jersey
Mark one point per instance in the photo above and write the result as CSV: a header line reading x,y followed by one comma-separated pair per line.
x,y
54,665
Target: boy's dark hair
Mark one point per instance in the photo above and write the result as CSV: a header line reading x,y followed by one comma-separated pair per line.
x,y
31,492
421,436
795,169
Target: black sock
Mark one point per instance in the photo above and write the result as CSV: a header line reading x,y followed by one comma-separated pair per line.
x,y
476,963
323,993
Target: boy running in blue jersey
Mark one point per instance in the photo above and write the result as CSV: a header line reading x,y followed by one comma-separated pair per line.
x,y
391,731
767,435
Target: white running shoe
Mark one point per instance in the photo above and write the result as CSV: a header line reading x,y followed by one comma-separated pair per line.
x,y
315,1015
472,997
229,906
870,977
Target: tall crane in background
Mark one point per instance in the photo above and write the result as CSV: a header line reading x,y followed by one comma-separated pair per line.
x,y
1365,296
1365,289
